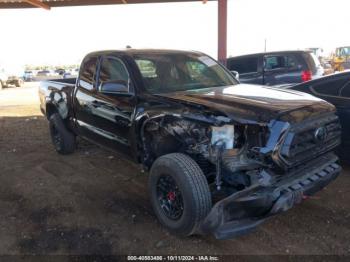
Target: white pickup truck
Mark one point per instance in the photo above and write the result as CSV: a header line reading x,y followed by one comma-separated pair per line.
x,y
9,79
3,78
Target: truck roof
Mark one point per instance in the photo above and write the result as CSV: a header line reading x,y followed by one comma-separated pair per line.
x,y
272,53
133,51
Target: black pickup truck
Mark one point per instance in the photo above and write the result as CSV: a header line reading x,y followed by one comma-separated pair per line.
x,y
222,156
276,68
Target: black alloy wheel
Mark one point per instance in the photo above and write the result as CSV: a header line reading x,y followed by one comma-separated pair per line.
x,y
170,197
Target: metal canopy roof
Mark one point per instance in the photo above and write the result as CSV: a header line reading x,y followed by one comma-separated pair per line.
x,y
47,4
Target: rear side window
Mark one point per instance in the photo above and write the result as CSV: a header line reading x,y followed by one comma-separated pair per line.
x,y
280,61
311,62
244,65
87,75
291,61
315,59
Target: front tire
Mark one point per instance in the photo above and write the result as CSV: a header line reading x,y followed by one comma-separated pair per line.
x,y
62,139
180,194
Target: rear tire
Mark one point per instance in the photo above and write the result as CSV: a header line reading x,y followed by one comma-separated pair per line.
x,y
19,83
177,183
62,139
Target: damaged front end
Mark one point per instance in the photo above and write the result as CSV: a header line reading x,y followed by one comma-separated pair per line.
x,y
224,150
254,170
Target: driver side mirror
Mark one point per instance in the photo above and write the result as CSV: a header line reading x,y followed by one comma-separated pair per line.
x,y
235,74
114,86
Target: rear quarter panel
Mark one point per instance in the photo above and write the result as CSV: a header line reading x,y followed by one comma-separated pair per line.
x,y
56,96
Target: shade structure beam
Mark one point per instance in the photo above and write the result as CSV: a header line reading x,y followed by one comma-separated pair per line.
x,y
222,31
37,3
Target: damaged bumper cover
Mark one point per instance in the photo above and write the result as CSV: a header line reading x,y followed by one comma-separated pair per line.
x,y
241,212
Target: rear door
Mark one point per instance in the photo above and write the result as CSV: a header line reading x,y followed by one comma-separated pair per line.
x,y
249,69
282,69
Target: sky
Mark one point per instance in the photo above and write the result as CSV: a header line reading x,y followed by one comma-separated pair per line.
x,y
64,35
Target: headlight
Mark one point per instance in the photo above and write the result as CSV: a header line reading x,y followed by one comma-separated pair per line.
x,y
223,135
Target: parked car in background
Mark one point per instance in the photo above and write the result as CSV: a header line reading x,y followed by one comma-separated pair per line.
x,y
15,81
276,68
43,73
336,90
10,79
223,156
3,78
67,74
60,71
75,71
28,75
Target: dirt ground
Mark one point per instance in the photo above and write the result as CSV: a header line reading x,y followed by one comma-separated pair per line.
x,y
94,202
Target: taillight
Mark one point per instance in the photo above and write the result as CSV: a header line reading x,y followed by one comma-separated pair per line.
x,y
306,76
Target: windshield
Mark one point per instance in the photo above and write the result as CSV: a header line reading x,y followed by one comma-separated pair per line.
x,y
164,73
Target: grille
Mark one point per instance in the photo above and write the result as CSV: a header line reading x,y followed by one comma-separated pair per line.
x,y
302,142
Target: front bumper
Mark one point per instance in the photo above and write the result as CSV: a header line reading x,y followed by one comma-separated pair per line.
x,y
241,212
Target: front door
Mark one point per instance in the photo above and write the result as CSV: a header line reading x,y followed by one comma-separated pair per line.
x,y
84,97
104,114
114,104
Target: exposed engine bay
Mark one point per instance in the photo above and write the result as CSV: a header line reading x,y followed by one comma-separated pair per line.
x,y
225,152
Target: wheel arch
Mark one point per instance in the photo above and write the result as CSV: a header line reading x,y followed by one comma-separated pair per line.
x,y
50,110
146,150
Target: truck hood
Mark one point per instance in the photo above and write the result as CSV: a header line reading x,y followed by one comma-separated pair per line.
x,y
246,103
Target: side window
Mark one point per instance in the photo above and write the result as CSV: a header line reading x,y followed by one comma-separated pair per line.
x,y
345,92
244,65
274,62
87,75
113,76
331,88
291,62
281,61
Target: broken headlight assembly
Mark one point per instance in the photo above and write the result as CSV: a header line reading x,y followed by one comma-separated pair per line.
x,y
223,136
